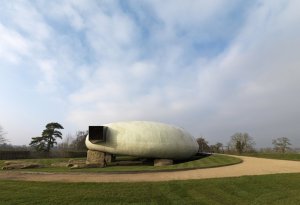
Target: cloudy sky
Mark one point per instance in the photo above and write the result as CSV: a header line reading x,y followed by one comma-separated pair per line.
x,y
211,67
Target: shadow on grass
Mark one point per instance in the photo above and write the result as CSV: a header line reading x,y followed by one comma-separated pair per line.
x,y
133,161
198,156
176,166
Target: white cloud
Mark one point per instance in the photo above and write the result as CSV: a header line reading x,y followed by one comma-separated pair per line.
x,y
68,10
187,13
49,73
212,67
172,88
12,45
260,77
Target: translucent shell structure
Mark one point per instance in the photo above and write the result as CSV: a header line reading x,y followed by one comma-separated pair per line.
x,y
142,139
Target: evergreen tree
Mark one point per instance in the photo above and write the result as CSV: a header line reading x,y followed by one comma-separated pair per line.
x,y
48,138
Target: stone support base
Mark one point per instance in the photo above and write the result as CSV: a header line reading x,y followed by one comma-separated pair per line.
x,y
95,158
162,162
98,159
108,158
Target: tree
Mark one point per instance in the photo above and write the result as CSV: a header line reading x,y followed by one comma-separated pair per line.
x,y
217,147
66,144
203,145
2,138
79,142
281,144
48,138
242,142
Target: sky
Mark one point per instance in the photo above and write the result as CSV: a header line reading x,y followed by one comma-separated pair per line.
x,y
212,67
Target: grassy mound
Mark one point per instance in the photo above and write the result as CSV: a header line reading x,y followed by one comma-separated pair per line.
x,y
195,163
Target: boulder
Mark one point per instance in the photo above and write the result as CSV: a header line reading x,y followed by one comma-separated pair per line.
x,y
162,162
96,158
80,166
60,164
12,166
76,164
73,161
23,165
13,162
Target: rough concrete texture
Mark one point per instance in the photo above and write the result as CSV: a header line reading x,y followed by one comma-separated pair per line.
x,y
162,162
96,158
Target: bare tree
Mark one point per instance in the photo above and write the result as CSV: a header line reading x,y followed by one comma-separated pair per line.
x,y
66,144
242,142
2,138
203,145
79,142
281,144
217,148
75,142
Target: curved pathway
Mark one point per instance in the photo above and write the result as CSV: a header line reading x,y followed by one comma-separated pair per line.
x,y
250,166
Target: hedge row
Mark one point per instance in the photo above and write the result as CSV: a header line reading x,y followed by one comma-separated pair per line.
x,y
14,154
6,155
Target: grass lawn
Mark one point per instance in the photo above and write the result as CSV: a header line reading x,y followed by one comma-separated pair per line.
x,y
205,162
286,156
265,189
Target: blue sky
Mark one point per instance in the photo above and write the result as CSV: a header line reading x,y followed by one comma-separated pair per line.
x,y
211,67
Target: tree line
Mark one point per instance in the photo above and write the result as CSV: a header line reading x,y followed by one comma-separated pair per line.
x,y
241,143
2,136
48,140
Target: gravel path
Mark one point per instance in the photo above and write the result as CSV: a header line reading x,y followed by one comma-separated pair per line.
x,y
250,166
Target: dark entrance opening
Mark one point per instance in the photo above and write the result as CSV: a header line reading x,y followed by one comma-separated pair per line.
x,y
97,134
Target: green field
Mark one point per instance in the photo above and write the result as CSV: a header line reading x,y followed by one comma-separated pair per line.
x,y
205,162
285,156
266,189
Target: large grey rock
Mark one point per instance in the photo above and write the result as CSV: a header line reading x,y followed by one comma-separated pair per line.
x,y
81,166
95,158
23,165
60,164
13,166
73,162
162,162
13,162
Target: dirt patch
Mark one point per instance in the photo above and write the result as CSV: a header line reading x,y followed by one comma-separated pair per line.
x,y
250,166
